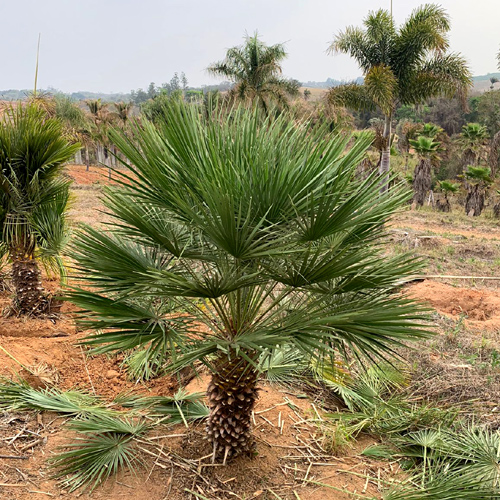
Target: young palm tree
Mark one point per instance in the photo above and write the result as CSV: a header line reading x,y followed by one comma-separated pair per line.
x,y
473,139
255,68
237,237
426,148
33,199
446,188
403,65
478,180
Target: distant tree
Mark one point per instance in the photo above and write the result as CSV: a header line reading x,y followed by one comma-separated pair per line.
x,y
152,91
494,154
425,147
405,65
255,68
33,200
307,94
493,80
122,111
449,114
488,110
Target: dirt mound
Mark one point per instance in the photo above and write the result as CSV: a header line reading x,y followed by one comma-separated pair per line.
x,y
480,308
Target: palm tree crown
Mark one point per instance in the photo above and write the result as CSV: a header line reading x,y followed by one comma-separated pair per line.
x,y
403,65
237,237
255,68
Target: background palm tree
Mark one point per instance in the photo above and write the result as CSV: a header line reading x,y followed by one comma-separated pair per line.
x,y
33,199
255,68
401,66
473,139
478,180
260,233
446,188
426,148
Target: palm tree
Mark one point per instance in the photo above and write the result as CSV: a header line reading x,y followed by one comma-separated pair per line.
x,y
446,188
431,130
122,110
401,66
33,199
478,180
473,139
236,238
255,68
426,148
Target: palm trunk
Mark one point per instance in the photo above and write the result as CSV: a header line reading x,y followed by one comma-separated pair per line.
x,y
29,295
474,204
421,181
78,157
231,397
385,162
87,158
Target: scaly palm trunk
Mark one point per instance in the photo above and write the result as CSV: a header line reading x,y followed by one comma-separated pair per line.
x,y
474,203
231,397
385,162
29,296
422,181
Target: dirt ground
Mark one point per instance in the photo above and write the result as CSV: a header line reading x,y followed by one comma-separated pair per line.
x,y
458,366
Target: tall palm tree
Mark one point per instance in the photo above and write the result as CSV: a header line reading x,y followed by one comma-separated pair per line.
x,y
33,199
238,237
473,138
403,65
255,68
426,148
122,110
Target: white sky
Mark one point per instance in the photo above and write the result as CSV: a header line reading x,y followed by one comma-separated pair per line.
x,y
118,45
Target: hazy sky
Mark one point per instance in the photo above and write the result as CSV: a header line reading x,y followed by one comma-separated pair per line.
x,y
118,45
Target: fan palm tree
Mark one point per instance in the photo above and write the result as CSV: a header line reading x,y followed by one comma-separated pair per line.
x,y
426,148
478,180
446,188
237,237
33,199
431,130
473,139
255,68
403,65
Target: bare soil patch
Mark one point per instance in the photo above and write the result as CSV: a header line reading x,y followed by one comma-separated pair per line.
x,y
480,308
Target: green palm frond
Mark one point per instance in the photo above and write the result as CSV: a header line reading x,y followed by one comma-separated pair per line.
x,y
478,174
180,408
21,396
108,444
448,187
425,146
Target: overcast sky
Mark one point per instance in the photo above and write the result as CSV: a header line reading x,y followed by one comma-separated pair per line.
x,y
118,45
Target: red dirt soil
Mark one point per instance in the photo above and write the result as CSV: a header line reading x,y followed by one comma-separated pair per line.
x,y
480,308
